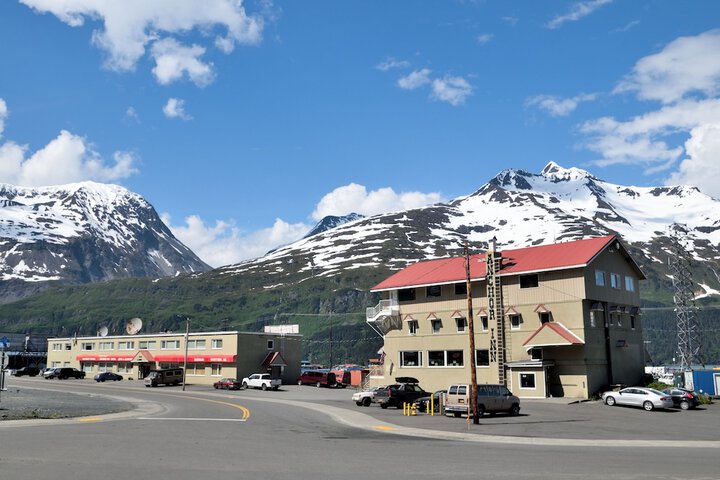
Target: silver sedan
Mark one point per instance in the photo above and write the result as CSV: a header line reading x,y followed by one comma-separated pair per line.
x,y
647,398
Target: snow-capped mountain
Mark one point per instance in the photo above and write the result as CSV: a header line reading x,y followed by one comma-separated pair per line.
x,y
83,232
332,221
520,209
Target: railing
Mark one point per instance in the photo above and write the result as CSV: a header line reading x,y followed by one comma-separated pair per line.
x,y
372,312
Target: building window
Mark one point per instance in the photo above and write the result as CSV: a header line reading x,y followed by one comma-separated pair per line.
x,y
411,359
196,344
66,364
514,322
124,367
615,280
482,358
107,345
461,324
406,295
105,367
170,345
216,370
86,367
527,381
196,369
461,289
87,346
126,345
433,291
484,323
630,284
445,358
619,320
599,278
632,322
544,317
56,347
148,345
217,343
270,344
529,281
412,327
536,354
68,346
593,318
436,325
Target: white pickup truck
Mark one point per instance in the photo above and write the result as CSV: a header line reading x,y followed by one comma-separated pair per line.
x,y
261,380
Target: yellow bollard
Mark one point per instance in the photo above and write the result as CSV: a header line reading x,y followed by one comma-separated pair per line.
x,y
413,410
405,412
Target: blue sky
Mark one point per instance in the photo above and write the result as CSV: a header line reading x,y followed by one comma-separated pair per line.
x,y
244,124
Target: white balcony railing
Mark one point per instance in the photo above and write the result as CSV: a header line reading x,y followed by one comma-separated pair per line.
x,y
384,316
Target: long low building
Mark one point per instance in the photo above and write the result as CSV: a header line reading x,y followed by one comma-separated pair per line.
x,y
210,355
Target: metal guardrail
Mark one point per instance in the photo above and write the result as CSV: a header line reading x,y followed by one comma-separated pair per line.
x,y
373,312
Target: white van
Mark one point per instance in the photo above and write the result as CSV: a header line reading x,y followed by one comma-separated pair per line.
x,y
491,399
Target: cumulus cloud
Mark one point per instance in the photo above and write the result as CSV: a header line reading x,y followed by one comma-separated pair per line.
x,y
391,63
173,61
684,77
129,26
557,106
701,167
484,38
354,198
175,108
686,65
224,243
414,79
453,90
577,11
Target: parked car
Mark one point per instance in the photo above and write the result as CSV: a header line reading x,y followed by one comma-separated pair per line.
x,y
683,398
29,371
167,376
318,378
104,376
647,398
63,373
261,380
406,390
491,398
366,397
438,399
227,384
49,372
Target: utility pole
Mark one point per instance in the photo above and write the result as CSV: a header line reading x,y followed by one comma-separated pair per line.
x,y
471,333
331,341
187,334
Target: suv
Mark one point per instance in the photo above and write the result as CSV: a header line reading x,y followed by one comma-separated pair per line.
x,y
490,399
406,390
64,372
29,371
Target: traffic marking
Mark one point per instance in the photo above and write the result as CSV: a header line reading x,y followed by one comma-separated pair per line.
x,y
384,427
90,419
196,419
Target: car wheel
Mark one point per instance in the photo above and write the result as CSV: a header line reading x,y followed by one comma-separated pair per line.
x,y
515,410
383,406
299,382
648,406
610,401
102,380
359,404
457,414
264,387
244,384
684,405
480,410
366,402
318,385
215,387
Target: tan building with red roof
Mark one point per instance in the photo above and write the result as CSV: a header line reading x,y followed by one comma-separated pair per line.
x,y
560,320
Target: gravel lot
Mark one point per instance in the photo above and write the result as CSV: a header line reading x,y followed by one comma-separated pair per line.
x,y
19,403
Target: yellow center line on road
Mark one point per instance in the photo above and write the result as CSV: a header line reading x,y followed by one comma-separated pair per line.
x,y
384,427
90,419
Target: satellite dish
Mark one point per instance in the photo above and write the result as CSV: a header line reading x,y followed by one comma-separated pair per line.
x,y
103,331
133,326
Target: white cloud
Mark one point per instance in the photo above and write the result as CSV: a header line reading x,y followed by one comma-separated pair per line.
x,y
225,244
392,63
701,168
628,26
453,90
686,65
131,113
415,79
175,108
559,107
577,11
3,115
130,25
173,61
354,198
484,38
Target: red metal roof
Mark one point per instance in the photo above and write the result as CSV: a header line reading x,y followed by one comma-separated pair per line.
x,y
566,336
556,256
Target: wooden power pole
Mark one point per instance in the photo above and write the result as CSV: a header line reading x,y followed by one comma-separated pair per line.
x,y
471,333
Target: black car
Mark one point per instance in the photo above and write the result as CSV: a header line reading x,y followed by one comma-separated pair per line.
x,y
64,372
683,398
29,371
104,376
422,403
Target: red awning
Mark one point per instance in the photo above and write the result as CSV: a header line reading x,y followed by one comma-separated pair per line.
x,y
196,358
105,358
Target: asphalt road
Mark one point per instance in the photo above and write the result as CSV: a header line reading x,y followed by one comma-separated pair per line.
x,y
206,434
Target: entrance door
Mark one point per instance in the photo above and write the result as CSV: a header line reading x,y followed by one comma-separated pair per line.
x,y
144,370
